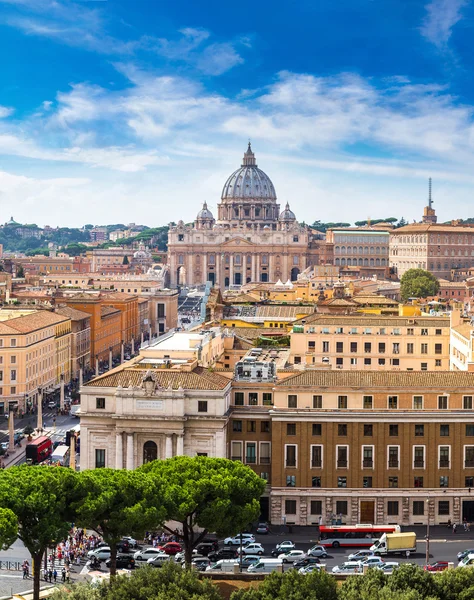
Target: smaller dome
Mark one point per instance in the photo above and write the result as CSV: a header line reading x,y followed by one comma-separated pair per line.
x,y
287,214
205,213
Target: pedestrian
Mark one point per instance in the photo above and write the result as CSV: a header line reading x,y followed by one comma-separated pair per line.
x,y
45,574
55,575
454,527
50,575
63,575
320,520
68,574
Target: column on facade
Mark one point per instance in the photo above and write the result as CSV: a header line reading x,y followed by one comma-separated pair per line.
x,y
130,460
189,269
81,376
257,267
231,269
180,445
97,366
204,268
168,446
253,268
110,358
119,450
271,266
285,268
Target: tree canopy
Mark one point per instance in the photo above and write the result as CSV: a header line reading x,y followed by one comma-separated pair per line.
x,y
8,528
418,283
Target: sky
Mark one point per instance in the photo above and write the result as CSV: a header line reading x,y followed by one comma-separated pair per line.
x,y
118,111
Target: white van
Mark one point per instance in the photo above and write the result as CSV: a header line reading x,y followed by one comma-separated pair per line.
x,y
225,566
61,455
265,565
467,561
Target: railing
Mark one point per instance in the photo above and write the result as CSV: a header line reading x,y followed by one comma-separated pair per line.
x,y
316,463
250,460
342,464
469,462
444,462
421,463
368,463
393,464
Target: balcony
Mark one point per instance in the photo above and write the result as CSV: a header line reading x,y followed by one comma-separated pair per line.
x,y
444,463
420,463
250,460
368,463
393,464
342,464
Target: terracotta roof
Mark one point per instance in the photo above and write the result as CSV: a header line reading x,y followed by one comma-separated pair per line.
x,y
105,311
275,311
199,379
432,228
375,320
120,296
337,302
72,313
31,322
464,329
404,380
252,333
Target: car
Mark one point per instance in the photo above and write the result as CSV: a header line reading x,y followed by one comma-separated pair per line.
x,y
222,554
236,540
131,541
205,547
388,567
123,546
441,565
158,560
102,553
179,556
348,567
144,555
4,445
291,556
371,561
250,559
123,561
199,563
308,569
305,561
263,528
283,547
319,551
171,548
52,404
254,548
464,553
360,555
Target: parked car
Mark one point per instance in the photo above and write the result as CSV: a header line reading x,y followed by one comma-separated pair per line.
x,y
360,555
200,563
309,569
464,553
371,561
254,548
291,556
102,553
441,565
249,559
144,555
171,548
123,561
305,561
52,404
179,557
131,541
348,567
205,547
4,445
263,528
123,546
283,547
388,567
247,538
222,554
319,551
159,560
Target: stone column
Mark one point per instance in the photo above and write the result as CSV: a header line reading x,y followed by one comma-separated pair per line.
x,y
253,268
204,269
257,267
180,445
271,266
142,336
168,446
231,269
81,378
97,366
133,346
39,420
61,393
122,352
119,450
110,358
130,459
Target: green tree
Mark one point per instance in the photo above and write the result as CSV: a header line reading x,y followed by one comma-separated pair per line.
x,y
125,260
117,503
410,577
41,498
214,494
8,528
20,272
455,584
418,283
317,585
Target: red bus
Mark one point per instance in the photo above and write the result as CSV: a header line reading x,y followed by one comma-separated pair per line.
x,y
38,450
352,536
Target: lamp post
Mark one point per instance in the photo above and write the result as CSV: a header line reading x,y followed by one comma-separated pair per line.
x,y
427,558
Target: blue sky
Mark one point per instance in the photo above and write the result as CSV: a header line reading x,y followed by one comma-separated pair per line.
x,y
138,110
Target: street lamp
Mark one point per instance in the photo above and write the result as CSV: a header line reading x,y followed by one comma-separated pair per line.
x,y
427,558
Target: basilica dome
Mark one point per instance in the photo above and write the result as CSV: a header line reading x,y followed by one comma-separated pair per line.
x,y
205,213
287,214
249,182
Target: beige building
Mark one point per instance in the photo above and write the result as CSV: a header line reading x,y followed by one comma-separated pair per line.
x,y
461,343
371,342
80,338
363,247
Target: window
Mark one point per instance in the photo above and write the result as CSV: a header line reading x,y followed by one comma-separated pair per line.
x,y
237,426
342,429
419,430
393,457
424,366
239,398
438,348
316,457
292,401
419,457
100,403
267,399
316,481
13,360
317,401
392,508
443,507
251,426
367,361
367,347
468,456
410,331
418,482
393,402
368,430
236,450
396,348
469,482
381,361
442,402
382,348
368,402
290,451
367,482
253,399
353,361
438,332
291,481
317,429
342,482
424,348
367,457
395,362
13,343
291,429
444,452
418,508
265,426
251,453
202,406
13,390
410,348
342,453
311,346
444,430
290,507
12,374
443,481
470,430
325,346
353,346
316,507
339,362
99,458
339,347
424,332
342,401
467,402
341,507
265,476
393,482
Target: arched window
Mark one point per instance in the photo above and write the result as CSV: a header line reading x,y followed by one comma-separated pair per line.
x,y
150,452
337,262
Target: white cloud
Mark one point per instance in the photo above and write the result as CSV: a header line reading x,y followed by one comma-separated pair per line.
x,y
218,58
5,111
441,17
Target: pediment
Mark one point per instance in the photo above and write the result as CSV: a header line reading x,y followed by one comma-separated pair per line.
x,y
238,242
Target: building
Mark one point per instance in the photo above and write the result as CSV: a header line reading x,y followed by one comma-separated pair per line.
x,y
42,265
110,260
251,240
365,247
263,316
80,338
204,346
371,342
98,234
461,343
153,408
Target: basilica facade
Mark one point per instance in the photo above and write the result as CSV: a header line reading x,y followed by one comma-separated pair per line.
x,y
251,239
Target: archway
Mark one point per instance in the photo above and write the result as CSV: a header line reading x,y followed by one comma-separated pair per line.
x,y
294,273
211,277
226,282
150,451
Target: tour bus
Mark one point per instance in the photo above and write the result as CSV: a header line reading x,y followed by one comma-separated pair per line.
x,y
353,536
38,450
61,456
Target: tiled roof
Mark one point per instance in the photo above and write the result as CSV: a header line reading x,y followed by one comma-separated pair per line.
x,y
376,320
464,329
199,379
27,323
432,228
270,311
119,296
383,379
337,302
72,313
252,333
373,299
105,311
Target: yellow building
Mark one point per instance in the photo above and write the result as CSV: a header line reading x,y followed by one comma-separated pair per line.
x,y
35,348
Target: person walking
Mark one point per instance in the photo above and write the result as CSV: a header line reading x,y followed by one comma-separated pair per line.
x,y
454,527
68,574
50,575
55,575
